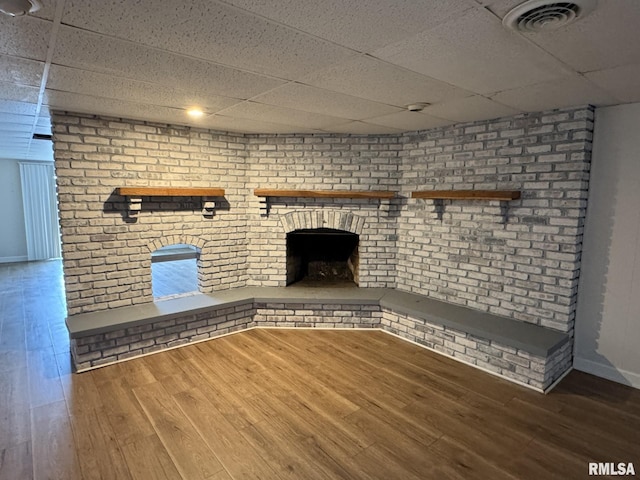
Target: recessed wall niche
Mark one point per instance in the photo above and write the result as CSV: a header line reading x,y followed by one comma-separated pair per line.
x,y
174,270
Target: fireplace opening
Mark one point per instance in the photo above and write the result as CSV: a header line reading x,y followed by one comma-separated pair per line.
x,y
322,257
174,270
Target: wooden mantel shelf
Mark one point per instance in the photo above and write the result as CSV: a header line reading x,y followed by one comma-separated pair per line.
x,y
501,195
267,192
170,192
135,194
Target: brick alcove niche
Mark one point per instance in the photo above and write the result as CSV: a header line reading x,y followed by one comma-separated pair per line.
x,y
197,243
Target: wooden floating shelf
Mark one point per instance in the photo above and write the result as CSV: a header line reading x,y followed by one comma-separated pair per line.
x,y
267,192
169,192
501,195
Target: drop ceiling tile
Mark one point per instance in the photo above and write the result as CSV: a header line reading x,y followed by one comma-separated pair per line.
x,y
500,7
607,37
108,86
88,51
565,92
41,150
47,10
470,109
325,102
7,127
362,128
247,125
409,121
286,116
73,102
372,79
475,52
18,108
25,37
19,93
14,152
208,30
355,24
16,119
621,82
14,137
21,71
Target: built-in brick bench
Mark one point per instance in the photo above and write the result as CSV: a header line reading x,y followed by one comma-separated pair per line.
x,y
521,352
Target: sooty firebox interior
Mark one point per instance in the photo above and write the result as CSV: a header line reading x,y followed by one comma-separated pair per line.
x,y
322,257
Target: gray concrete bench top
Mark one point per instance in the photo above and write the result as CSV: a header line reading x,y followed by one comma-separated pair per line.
x,y
530,338
525,336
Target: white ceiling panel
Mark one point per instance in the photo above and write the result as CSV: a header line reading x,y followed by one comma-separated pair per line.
x,y
246,125
325,102
363,128
286,116
21,71
18,108
107,86
286,66
47,9
608,37
379,81
87,51
470,109
565,92
14,152
15,119
500,7
18,136
475,52
409,121
25,37
207,30
356,24
15,128
19,93
622,82
41,150
56,100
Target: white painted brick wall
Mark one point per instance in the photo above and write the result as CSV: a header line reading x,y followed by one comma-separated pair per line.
x,y
526,268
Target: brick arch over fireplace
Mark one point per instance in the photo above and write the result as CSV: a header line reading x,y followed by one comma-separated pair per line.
x,y
309,219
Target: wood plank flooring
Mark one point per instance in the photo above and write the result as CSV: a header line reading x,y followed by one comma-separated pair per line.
x,y
284,404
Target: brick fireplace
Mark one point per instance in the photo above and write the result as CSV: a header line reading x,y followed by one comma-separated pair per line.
x,y
519,260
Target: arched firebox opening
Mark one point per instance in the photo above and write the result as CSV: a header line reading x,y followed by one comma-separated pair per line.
x,y
323,257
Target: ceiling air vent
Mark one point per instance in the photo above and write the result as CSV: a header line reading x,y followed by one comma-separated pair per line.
x,y
17,8
546,15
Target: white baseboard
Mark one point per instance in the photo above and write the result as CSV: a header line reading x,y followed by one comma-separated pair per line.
x,y
22,258
606,371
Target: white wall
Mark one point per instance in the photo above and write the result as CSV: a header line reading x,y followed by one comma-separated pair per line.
x,y
608,313
13,241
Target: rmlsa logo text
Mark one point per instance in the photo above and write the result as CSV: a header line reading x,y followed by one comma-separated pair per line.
x,y
611,468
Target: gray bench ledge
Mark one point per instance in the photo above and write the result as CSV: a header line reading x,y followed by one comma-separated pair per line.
x,y
531,338
86,324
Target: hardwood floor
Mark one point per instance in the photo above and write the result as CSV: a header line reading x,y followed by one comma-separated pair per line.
x,y
284,404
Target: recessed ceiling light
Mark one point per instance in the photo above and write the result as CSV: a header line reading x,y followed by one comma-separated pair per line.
x,y
17,8
195,112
